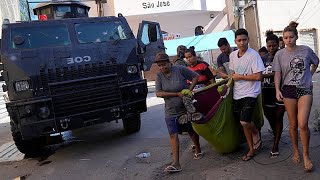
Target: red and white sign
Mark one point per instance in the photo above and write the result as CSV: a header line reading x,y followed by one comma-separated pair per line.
x,y
170,36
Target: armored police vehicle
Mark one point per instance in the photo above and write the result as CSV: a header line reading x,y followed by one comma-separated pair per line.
x,y
64,74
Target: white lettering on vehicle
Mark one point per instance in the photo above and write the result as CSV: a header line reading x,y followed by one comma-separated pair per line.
x,y
78,59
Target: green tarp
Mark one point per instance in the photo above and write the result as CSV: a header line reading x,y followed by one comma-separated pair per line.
x,y
222,131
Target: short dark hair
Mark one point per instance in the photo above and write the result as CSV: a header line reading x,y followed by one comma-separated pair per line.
x,y
263,49
280,38
191,50
162,57
241,31
271,36
222,41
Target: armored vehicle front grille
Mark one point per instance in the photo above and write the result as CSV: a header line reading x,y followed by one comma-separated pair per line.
x,y
85,95
75,72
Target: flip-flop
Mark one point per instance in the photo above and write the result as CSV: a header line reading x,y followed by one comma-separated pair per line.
x,y
274,154
258,144
198,156
172,169
193,148
247,158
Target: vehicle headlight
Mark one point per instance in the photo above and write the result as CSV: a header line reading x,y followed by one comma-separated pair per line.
x,y
21,85
132,69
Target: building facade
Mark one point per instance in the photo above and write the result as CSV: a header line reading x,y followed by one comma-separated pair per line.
x,y
178,17
276,15
13,10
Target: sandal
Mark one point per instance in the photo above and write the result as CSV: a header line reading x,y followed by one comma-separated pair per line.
x,y
193,148
258,144
247,157
172,169
197,155
274,154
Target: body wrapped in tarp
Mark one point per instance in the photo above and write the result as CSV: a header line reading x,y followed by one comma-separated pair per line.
x,y
219,127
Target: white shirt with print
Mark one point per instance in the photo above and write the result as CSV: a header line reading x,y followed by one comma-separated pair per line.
x,y
248,64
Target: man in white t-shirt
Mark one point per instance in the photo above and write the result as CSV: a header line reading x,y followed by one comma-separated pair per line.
x,y
247,67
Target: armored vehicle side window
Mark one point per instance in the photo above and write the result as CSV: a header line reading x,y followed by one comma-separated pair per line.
x,y
100,32
145,34
81,10
39,36
150,33
62,10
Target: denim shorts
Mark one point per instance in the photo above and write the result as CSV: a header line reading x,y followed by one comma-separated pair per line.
x,y
293,92
174,127
243,108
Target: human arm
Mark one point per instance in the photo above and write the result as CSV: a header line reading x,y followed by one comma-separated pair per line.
x,y
251,77
277,80
313,68
160,92
222,72
194,82
314,61
164,94
221,69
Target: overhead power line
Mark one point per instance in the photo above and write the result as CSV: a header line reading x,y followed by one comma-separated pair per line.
x,y
302,10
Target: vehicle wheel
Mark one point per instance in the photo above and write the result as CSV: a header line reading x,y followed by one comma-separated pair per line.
x,y
32,147
132,123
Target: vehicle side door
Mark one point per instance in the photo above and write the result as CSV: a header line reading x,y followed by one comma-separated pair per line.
x,y
150,42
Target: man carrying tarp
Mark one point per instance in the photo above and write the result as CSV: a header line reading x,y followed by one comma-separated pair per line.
x,y
247,67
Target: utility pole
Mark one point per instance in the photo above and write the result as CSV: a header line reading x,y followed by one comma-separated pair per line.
x,y
29,13
100,7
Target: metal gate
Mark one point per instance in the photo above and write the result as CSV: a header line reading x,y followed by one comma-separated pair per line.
x,y
309,38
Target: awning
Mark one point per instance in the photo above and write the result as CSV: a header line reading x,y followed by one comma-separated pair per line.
x,y
201,43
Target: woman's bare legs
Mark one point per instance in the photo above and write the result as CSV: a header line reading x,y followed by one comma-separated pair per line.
x,y
292,111
304,107
195,139
174,142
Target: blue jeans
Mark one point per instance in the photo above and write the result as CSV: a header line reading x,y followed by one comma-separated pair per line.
x,y
174,127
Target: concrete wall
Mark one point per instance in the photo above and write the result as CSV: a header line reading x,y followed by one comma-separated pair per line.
x,y
252,28
180,22
184,21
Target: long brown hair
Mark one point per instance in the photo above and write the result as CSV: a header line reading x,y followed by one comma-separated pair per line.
x,y
292,27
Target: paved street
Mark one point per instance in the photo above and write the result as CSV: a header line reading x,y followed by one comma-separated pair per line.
x,y
104,152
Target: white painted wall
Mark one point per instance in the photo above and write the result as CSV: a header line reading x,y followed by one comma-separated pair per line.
x,y
178,22
276,15
181,17
9,9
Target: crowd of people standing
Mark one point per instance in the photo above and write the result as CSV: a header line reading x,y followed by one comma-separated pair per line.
x,y
281,72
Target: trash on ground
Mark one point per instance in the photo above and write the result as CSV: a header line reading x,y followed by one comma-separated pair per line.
x,y
143,155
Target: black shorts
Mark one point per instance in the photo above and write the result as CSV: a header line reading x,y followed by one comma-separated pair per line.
x,y
293,92
243,108
269,98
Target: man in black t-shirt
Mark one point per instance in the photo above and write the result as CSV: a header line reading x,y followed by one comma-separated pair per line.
x,y
223,58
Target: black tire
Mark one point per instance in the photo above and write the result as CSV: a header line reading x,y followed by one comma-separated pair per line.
x,y
132,123
32,147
